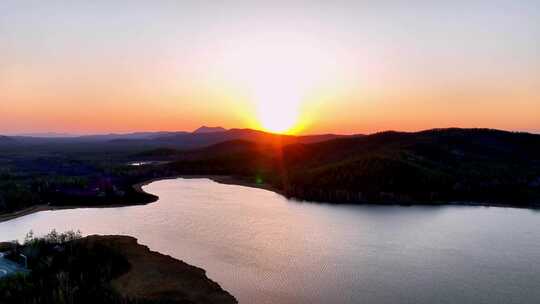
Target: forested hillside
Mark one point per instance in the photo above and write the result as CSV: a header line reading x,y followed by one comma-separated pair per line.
x,y
434,166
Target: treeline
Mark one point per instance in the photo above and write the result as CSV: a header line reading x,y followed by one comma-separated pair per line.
x,y
22,187
434,166
430,167
437,166
63,270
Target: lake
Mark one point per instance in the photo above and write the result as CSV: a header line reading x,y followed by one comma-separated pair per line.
x,y
264,248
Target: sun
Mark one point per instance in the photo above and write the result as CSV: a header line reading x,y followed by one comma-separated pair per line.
x,y
277,116
279,84
278,106
279,72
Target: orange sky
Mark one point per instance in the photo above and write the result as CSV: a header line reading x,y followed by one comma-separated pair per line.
x,y
318,68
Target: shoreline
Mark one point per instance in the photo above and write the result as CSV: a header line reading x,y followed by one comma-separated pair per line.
x,y
221,179
237,181
172,280
232,180
39,208
138,187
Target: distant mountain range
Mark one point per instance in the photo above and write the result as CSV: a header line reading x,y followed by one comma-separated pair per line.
x,y
47,135
202,137
205,129
196,140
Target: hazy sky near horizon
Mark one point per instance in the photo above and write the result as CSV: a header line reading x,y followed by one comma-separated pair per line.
x,y
324,66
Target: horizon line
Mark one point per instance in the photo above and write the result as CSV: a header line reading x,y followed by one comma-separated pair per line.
x,y
54,134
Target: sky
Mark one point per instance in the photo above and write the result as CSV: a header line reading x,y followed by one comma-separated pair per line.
x,y
284,66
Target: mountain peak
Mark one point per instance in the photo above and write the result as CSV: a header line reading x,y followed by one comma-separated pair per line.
x,y
205,129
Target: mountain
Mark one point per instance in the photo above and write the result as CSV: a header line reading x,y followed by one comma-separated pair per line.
x,y
205,129
202,137
198,140
132,143
130,136
48,135
434,166
45,138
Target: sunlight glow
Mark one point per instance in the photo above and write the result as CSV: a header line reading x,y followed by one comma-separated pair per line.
x,y
278,97
279,72
278,113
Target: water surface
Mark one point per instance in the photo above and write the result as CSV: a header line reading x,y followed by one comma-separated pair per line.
x,y
264,248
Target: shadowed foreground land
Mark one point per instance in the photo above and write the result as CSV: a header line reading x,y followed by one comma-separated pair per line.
x,y
106,269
